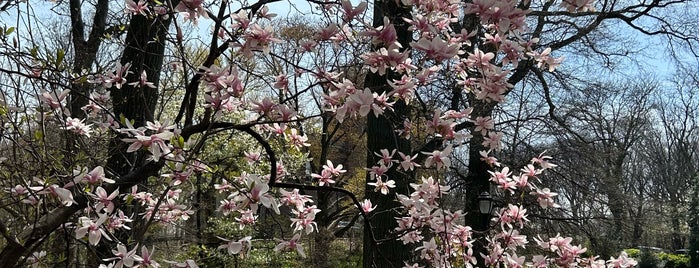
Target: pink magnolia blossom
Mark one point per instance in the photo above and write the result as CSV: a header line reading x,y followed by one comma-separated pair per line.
x,y
146,259
304,219
143,81
622,261
439,158
365,101
334,170
104,201
193,8
324,178
154,143
118,77
382,186
246,218
483,124
513,214
235,247
281,82
490,160
35,260
184,264
480,60
544,59
578,5
294,198
296,140
351,12
327,32
252,157
407,162
385,34
54,100
78,126
545,198
437,48
19,190
241,20
377,172
136,8
258,39
366,206
92,229
403,89
291,245
63,194
543,161
386,157
492,141
124,257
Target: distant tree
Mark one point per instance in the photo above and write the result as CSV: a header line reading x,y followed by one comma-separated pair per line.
x,y
694,226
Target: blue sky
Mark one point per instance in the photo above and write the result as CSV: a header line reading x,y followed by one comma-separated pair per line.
x,y
652,55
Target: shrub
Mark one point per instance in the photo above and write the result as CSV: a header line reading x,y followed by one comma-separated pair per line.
x,y
648,259
633,252
674,260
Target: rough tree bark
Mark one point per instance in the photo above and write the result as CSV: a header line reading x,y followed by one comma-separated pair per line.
x,y
381,135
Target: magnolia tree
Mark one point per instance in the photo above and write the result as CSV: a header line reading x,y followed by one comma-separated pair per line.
x,y
58,120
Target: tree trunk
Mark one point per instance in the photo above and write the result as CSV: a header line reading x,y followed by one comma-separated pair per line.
x,y
391,253
477,181
675,220
381,135
145,47
85,51
322,242
616,203
693,223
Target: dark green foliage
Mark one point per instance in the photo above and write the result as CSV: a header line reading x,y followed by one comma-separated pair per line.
x,y
674,260
693,222
648,259
633,252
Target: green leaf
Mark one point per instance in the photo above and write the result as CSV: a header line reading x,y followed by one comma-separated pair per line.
x,y
9,30
38,134
180,139
34,51
60,55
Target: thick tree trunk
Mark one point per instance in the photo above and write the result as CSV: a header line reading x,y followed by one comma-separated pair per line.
x,y
637,227
616,202
381,135
85,50
145,47
693,222
675,221
324,237
321,252
477,181
391,253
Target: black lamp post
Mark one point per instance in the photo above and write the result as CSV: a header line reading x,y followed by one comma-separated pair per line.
x,y
485,203
482,224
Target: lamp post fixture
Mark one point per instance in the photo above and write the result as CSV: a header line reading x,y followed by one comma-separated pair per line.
x,y
485,203
482,224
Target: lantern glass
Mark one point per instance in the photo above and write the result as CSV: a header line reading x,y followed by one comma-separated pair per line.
x,y
485,203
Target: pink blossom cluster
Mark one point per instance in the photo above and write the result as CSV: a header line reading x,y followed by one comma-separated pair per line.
x,y
440,236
